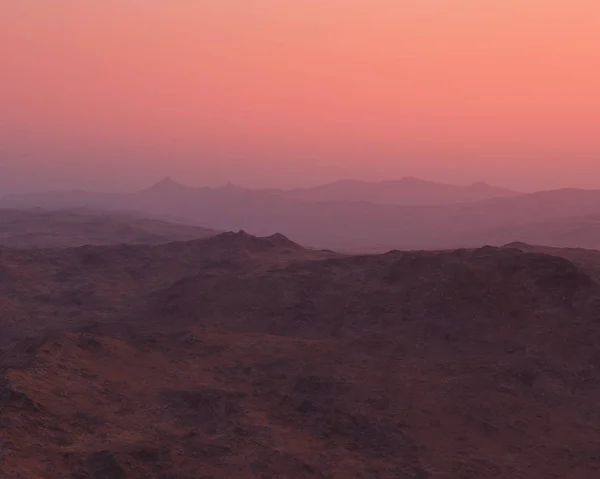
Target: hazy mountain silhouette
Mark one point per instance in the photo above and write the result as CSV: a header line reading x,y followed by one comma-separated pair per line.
x,y
407,191
569,232
168,186
246,357
352,225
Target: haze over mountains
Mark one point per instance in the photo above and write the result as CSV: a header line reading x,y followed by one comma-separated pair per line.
x,y
407,191
355,215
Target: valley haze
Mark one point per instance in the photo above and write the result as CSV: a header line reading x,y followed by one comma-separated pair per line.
x,y
359,216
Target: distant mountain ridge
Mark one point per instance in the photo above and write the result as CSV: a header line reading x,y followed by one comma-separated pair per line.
x,y
406,191
315,218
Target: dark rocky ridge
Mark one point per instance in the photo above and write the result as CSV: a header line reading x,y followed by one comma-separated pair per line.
x,y
238,356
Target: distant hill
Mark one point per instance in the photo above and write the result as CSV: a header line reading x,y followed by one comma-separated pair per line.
x,y
62,228
565,232
358,225
407,191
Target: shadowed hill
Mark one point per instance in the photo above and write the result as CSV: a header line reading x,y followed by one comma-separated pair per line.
x,y
561,232
237,356
333,298
46,288
64,228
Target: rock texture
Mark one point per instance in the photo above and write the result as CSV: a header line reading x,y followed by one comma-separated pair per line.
x,y
247,357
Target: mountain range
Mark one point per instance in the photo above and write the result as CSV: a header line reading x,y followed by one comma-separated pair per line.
x,y
350,216
407,191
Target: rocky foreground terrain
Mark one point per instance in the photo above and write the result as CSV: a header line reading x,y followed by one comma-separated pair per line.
x,y
245,357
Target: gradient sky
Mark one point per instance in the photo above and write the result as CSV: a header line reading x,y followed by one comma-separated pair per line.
x,y
114,94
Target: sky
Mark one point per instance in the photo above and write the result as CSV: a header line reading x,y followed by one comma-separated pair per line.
x,y
115,94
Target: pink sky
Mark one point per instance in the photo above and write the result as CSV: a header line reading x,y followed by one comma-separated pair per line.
x,y
294,92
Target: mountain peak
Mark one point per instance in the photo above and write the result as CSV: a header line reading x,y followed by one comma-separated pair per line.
x,y
520,245
251,243
279,239
167,184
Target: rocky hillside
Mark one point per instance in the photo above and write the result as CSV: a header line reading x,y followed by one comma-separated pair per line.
x,y
247,357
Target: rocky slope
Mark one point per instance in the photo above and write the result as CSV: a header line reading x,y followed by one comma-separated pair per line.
x,y
249,357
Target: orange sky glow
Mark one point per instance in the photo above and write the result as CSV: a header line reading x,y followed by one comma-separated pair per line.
x,y
116,93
